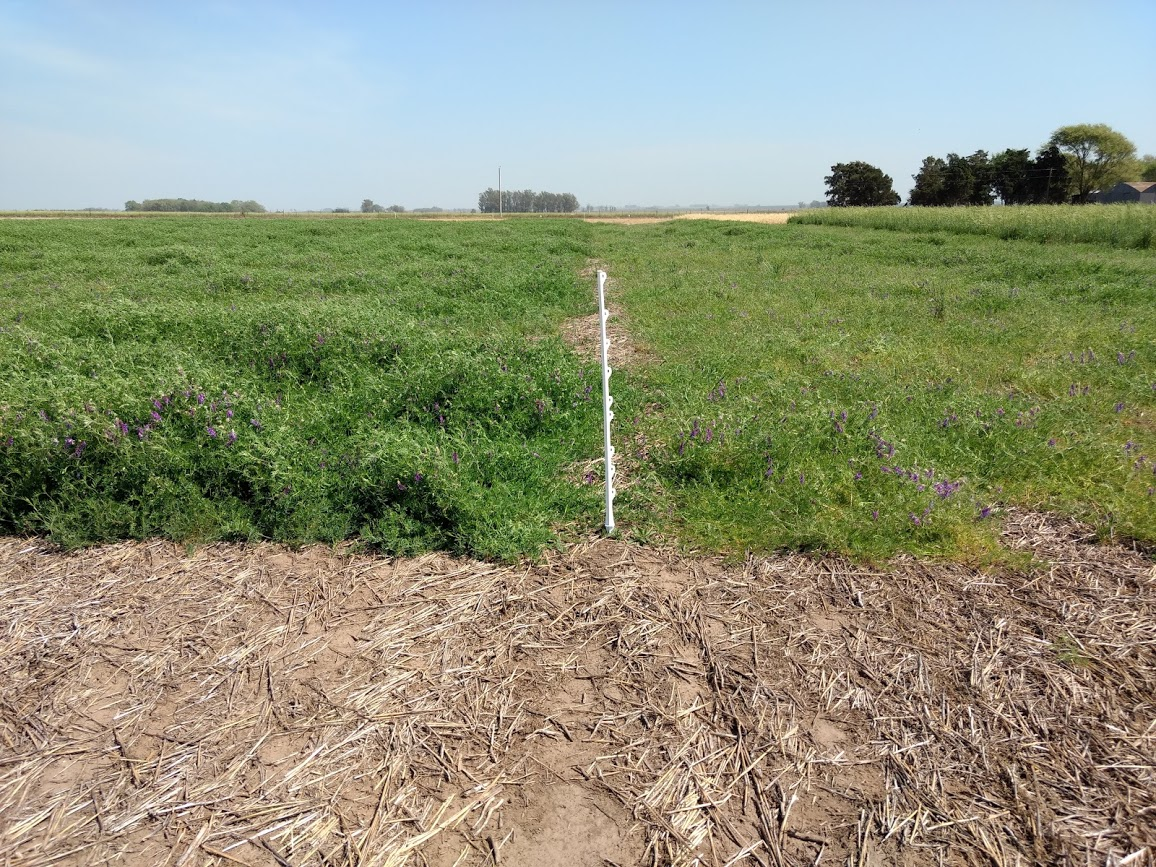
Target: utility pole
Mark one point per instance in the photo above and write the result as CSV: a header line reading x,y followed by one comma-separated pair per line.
x,y
499,191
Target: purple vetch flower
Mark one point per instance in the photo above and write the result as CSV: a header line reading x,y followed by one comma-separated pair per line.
x,y
802,479
456,459
694,429
228,413
157,405
417,477
588,478
1119,407
211,431
984,512
874,514
256,423
232,437
200,398
142,432
155,416
858,476
916,520
1052,442
400,486
43,415
708,434
722,388
946,489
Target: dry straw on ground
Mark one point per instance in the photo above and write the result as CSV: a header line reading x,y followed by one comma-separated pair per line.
x,y
613,706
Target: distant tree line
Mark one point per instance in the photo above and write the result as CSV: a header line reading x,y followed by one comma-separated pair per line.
x,y
369,206
527,202
1071,166
196,205
1012,176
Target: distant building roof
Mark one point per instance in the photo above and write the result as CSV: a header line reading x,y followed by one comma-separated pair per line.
x,y
1140,186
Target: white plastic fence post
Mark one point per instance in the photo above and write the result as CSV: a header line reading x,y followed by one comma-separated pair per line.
x,y
607,402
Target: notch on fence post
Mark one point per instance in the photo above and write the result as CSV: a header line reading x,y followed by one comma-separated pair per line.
x,y
607,402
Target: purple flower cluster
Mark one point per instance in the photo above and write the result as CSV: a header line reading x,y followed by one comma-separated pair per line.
x,y
883,448
195,402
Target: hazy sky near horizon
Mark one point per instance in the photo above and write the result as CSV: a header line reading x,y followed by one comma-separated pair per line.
x,y
305,105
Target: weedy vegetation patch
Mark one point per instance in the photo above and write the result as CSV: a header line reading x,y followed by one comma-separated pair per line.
x,y
1124,225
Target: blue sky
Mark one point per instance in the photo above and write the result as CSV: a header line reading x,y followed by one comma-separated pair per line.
x,y
314,105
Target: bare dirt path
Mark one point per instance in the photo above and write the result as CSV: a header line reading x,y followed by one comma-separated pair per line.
x,y
776,218
614,705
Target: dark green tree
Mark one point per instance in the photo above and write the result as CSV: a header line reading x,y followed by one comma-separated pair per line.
x,y
368,206
859,184
967,180
928,189
1049,177
1011,176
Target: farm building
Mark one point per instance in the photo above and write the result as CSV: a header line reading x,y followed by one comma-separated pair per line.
x,y
1130,191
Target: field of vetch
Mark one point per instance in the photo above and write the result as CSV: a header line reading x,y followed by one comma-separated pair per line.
x,y
402,383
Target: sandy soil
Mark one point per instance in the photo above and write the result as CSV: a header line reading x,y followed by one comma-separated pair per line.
x,y
614,705
777,218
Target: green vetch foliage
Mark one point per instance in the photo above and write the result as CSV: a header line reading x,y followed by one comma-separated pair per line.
x,y
297,380
818,387
872,392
